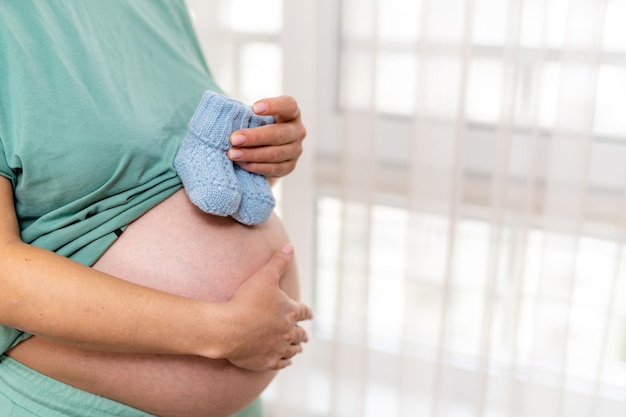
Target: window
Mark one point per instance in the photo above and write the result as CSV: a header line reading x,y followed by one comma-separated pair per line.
x,y
241,39
470,191
471,199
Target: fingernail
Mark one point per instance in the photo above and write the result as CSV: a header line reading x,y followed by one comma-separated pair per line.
x,y
259,108
237,140
235,154
287,249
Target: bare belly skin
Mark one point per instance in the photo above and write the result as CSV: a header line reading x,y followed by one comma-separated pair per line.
x,y
175,248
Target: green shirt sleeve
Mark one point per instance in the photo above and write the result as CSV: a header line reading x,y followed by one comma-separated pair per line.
x,y
5,170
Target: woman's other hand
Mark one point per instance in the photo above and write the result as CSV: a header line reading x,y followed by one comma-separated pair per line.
x,y
263,331
272,150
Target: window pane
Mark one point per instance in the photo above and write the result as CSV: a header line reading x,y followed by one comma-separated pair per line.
x,y
577,89
465,312
471,255
358,17
357,75
585,341
490,22
595,271
484,90
555,27
255,16
354,271
265,79
584,24
441,87
445,20
544,23
549,78
388,260
328,229
614,28
398,20
611,106
395,82
429,240
531,30
615,360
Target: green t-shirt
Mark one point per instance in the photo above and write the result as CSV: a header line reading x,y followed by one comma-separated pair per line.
x,y
95,98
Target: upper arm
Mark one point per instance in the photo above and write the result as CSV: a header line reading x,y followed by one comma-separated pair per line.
x,y
9,229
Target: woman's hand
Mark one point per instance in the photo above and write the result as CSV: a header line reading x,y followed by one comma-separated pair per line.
x,y
271,150
264,332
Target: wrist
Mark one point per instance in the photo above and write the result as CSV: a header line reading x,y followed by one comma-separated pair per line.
x,y
211,334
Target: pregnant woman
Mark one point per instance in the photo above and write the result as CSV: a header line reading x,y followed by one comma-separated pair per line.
x,y
118,296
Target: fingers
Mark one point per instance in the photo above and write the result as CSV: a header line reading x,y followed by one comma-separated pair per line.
x,y
288,127
283,108
299,336
281,364
269,169
276,134
292,351
270,143
271,150
304,312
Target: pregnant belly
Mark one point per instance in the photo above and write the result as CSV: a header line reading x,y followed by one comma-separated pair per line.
x,y
175,248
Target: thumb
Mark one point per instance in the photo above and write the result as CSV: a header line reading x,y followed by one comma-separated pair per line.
x,y
278,263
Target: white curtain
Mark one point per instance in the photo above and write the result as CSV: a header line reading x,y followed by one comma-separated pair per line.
x,y
460,209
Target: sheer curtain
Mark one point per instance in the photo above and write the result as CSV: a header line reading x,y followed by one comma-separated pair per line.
x,y
460,210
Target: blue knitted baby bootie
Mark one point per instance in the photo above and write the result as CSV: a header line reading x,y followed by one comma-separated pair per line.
x,y
211,180
201,162
257,200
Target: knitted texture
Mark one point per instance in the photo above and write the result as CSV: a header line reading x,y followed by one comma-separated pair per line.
x,y
212,181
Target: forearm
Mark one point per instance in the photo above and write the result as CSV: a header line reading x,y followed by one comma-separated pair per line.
x,y
51,296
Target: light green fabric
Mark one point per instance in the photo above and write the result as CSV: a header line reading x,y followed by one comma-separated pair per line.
x,y
28,393
253,410
95,97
